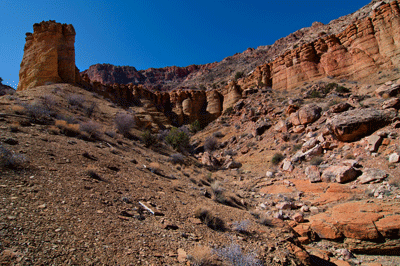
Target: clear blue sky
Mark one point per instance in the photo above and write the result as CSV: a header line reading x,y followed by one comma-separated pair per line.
x,y
159,33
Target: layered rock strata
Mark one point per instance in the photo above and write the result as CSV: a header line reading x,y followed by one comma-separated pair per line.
x,y
364,48
49,56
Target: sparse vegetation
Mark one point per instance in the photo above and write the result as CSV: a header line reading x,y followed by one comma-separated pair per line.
x,y
177,158
195,126
178,139
67,129
38,113
316,160
125,122
239,75
75,100
93,129
241,227
277,158
149,139
9,159
201,256
234,255
210,144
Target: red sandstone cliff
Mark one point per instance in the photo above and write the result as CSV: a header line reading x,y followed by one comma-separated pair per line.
x,y
363,49
49,55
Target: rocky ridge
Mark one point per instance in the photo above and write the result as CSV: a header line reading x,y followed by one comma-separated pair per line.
x,y
215,75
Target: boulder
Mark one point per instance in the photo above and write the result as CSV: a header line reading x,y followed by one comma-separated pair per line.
x,y
305,115
340,107
313,174
372,175
355,124
391,91
374,142
339,173
391,103
394,158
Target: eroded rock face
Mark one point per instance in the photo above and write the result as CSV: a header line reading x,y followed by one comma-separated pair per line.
x,y
49,56
354,124
364,48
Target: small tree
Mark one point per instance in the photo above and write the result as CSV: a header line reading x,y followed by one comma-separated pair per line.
x,y
1,80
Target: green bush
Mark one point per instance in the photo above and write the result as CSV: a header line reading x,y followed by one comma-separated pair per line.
x,y
277,158
239,75
148,138
178,139
195,126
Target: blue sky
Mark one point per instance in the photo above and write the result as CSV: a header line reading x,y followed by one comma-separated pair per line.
x,y
159,33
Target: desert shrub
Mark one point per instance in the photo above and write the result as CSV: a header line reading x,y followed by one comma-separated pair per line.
x,y
277,158
315,94
177,158
38,113
209,219
201,256
89,108
93,129
234,255
316,160
124,123
178,139
241,227
210,144
239,75
8,159
218,192
297,147
264,220
195,126
75,100
148,138
68,129
48,102
18,109
342,89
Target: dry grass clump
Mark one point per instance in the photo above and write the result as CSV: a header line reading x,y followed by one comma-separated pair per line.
x,y
67,129
18,109
201,256
92,129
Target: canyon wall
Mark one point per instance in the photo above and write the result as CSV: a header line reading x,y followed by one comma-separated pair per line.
x,y
364,48
49,56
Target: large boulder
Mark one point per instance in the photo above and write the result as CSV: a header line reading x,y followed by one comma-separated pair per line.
x,y
305,115
355,124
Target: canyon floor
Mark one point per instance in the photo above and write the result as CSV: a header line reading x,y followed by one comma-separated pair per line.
x,y
75,191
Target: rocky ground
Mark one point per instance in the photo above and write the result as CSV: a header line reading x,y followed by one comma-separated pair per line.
x,y
304,178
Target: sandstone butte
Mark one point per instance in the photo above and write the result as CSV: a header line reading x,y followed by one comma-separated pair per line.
x,y
365,47
49,56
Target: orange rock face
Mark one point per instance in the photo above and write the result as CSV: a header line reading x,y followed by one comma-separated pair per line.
x,y
49,56
365,47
